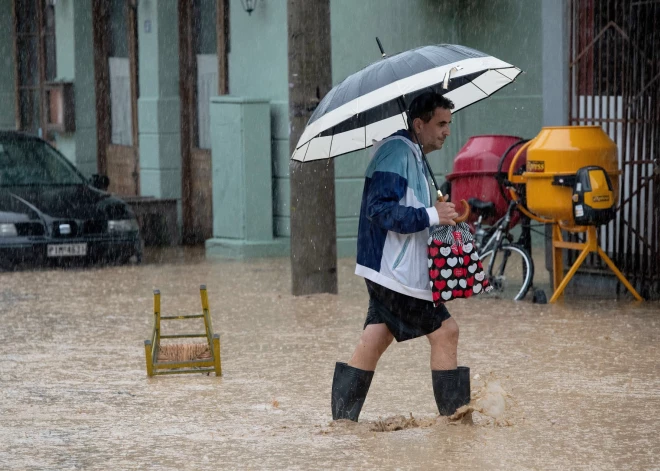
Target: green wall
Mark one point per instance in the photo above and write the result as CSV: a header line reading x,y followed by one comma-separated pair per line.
x,y
7,78
400,26
159,110
85,89
75,61
65,53
258,68
74,52
508,29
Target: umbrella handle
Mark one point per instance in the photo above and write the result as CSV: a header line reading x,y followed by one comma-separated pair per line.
x,y
462,217
380,46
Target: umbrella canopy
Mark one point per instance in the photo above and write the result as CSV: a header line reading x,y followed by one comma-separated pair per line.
x,y
370,104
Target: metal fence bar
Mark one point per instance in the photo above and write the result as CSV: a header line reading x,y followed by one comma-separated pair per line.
x,y
614,81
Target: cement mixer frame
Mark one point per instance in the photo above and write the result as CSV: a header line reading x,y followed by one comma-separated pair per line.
x,y
508,265
546,202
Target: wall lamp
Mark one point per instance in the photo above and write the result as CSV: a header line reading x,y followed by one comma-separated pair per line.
x,y
249,5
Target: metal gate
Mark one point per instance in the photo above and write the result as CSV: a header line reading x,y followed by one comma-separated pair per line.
x,y
615,83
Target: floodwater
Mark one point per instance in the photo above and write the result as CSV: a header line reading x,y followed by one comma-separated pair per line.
x,y
575,385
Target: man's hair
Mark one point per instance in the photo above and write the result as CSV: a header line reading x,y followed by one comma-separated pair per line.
x,y
425,104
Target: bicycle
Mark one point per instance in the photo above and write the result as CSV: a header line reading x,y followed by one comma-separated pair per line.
x,y
508,265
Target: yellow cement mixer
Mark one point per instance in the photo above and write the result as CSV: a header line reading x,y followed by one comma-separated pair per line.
x,y
571,181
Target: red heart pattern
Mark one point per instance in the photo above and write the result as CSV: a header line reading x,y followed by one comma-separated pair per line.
x,y
455,269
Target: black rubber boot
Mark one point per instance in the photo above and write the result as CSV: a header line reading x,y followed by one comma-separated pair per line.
x,y
464,384
349,390
451,389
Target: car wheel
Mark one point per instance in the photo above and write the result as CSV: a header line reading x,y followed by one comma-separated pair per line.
x,y
135,259
6,265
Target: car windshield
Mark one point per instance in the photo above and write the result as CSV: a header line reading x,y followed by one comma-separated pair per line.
x,y
26,162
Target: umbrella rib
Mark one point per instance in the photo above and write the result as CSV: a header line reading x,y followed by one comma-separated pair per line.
x,y
498,71
479,88
359,94
433,66
494,70
306,150
412,70
421,54
397,83
332,138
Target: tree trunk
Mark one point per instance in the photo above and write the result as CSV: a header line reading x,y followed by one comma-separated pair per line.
x,y
313,226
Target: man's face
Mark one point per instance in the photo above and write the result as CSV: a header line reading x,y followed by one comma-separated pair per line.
x,y
432,135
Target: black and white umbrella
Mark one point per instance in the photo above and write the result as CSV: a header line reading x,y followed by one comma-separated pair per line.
x,y
370,104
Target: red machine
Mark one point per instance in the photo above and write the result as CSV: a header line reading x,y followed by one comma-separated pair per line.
x,y
475,170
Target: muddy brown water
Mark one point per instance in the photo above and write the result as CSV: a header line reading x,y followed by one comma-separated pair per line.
x,y
575,385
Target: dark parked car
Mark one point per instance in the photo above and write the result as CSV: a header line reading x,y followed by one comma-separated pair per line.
x,y
50,213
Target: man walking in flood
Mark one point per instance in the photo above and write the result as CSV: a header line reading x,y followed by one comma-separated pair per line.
x,y
395,216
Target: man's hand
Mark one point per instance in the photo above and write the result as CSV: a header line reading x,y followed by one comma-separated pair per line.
x,y
446,212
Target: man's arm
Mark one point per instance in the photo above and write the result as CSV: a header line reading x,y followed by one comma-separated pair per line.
x,y
385,191
388,174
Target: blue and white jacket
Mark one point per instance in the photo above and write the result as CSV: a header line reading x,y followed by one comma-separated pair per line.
x,y
395,217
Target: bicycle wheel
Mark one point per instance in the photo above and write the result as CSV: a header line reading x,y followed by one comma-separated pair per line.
x,y
510,272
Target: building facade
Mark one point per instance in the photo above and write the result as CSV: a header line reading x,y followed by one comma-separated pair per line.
x,y
142,73
186,101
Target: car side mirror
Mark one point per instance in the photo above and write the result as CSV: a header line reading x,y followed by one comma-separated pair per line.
x,y
102,182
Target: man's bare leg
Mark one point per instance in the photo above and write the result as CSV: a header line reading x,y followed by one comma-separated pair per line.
x,y
373,342
444,346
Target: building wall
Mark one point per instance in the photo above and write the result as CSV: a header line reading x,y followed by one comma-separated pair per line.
x,y
85,91
65,53
508,29
159,111
7,77
258,68
399,26
74,46
258,61
75,59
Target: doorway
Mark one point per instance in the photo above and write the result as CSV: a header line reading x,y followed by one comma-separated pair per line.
x,y
116,73
203,48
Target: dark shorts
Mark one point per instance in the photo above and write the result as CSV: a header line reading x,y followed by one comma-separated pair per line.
x,y
405,316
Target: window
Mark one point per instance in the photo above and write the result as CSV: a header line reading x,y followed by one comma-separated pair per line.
x,y
34,44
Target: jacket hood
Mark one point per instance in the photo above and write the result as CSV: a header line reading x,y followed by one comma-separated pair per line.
x,y
401,134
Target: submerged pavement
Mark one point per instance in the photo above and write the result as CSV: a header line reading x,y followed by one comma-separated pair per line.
x,y
575,385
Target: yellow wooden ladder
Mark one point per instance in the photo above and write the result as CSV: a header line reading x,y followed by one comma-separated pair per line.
x,y
152,347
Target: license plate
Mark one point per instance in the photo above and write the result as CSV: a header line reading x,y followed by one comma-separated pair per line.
x,y
67,250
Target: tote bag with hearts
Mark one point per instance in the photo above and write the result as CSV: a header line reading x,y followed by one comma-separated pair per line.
x,y
454,266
